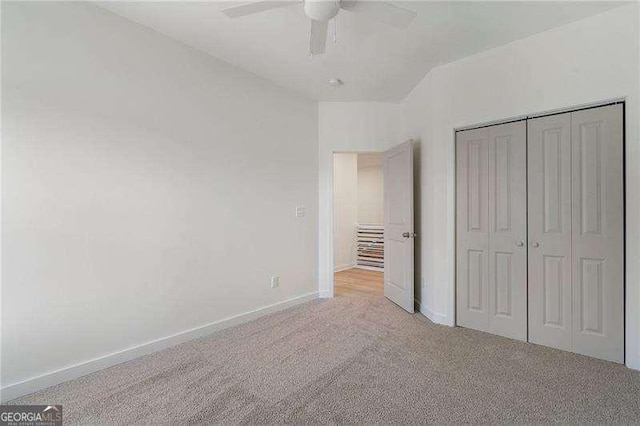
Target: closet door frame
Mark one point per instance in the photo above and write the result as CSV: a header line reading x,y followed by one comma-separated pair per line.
x,y
613,101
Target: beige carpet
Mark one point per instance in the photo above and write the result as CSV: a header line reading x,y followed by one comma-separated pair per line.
x,y
351,360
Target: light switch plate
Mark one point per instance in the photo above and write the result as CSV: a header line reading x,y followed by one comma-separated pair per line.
x,y
300,211
275,281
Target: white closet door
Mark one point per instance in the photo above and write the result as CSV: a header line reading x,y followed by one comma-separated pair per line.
x,y
598,293
549,194
508,230
540,231
472,229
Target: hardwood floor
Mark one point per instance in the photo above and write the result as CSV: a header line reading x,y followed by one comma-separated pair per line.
x,y
358,282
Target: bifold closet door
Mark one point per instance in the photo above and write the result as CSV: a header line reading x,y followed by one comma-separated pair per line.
x,y
491,250
598,215
549,213
576,207
508,230
472,229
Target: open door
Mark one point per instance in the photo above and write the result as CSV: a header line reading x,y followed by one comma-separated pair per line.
x,y
398,225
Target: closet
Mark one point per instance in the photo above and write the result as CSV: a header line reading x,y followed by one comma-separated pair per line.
x,y
540,230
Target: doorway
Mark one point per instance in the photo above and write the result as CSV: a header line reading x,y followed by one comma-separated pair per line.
x,y
358,224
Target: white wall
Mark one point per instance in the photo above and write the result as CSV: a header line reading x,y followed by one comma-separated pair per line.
x,y
587,61
147,188
345,209
370,189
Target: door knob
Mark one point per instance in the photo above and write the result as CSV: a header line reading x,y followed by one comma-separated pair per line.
x,y
520,243
409,234
534,244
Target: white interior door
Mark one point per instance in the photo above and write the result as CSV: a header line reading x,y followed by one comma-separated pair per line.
x,y
598,215
549,192
398,225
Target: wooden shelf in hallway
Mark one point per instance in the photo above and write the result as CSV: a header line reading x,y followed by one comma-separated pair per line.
x,y
359,282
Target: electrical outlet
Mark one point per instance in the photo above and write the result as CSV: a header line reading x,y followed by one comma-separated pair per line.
x,y
275,281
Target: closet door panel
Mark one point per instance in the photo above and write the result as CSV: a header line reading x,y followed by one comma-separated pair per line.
x,y
549,229
472,229
508,230
597,192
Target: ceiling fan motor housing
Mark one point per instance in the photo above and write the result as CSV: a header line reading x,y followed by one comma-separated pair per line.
x,y
321,10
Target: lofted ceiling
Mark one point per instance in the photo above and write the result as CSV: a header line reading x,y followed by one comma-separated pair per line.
x,y
376,62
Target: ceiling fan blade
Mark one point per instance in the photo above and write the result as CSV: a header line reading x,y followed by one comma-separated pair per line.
x,y
318,40
255,7
384,12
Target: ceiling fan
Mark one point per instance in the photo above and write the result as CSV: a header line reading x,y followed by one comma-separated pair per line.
x,y
321,11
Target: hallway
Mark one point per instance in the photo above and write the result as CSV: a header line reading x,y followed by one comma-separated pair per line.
x,y
358,282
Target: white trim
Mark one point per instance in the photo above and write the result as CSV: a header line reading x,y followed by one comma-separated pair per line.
x,y
344,267
434,316
369,268
632,363
52,378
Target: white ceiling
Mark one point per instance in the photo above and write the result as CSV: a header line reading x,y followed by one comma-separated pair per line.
x,y
377,62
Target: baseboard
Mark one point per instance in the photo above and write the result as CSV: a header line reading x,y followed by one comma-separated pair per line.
x,y
325,294
634,364
343,267
369,268
433,316
65,374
